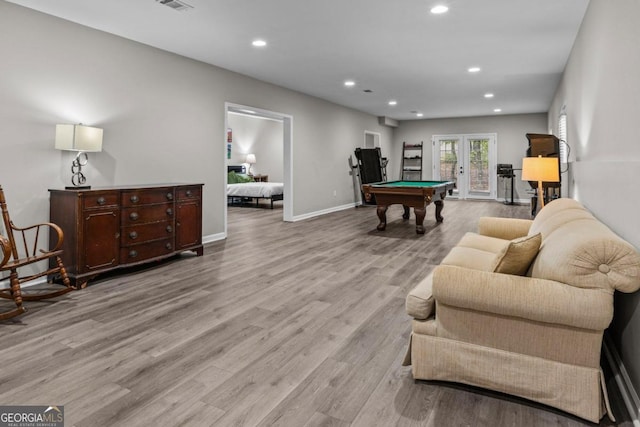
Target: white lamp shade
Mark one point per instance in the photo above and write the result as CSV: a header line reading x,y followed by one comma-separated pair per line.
x,y
545,169
78,138
251,158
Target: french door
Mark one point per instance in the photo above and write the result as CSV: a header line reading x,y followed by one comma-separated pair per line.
x,y
469,161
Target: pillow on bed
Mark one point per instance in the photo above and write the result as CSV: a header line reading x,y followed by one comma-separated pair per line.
x,y
238,178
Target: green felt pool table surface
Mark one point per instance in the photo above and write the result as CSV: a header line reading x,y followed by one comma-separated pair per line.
x,y
420,184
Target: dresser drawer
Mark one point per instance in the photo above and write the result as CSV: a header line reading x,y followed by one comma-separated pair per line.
x,y
100,199
146,232
147,196
189,193
145,214
149,250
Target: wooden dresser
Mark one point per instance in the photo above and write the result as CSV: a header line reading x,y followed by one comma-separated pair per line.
x,y
109,228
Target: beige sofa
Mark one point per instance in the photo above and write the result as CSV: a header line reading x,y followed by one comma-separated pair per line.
x,y
537,335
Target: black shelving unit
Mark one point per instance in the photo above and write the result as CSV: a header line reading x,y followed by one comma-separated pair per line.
x,y
412,155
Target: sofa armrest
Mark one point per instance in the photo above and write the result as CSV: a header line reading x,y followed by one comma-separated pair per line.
x,y
504,228
420,303
534,299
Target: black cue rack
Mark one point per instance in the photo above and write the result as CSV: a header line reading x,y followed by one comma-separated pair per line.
x,y
372,167
505,171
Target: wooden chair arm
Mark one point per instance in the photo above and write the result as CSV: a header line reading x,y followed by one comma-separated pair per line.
x,y
5,250
37,227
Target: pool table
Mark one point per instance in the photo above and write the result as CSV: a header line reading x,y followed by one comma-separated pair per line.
x,y
409,194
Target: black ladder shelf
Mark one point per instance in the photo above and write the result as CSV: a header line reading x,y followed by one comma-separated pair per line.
x,y
412,162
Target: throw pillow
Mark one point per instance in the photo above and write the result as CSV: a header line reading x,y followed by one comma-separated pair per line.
x,y
518,255
232,178
238,178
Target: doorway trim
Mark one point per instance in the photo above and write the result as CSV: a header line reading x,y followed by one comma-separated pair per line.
x,y
287,127
463,191
376,139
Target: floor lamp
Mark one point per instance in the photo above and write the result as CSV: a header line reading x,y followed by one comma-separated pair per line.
x,y
541,169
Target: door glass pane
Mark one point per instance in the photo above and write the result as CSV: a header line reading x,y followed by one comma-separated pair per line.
x,y
449,160
479,165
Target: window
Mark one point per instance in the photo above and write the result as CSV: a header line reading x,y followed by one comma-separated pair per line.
x,y
562,135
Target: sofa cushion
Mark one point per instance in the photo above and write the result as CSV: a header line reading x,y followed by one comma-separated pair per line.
x,y
484,243
516,257
476,252
475,259
420,303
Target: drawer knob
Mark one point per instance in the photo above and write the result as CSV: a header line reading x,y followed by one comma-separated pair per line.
x,y
168,246
101,200
133,253
169,229
169,211
134,216
133,235
134,199
169,196
188,193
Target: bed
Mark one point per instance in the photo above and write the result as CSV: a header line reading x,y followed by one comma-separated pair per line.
x,y
239,193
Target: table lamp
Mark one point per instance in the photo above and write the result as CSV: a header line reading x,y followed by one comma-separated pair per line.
x,y
83,139
541,169
251,159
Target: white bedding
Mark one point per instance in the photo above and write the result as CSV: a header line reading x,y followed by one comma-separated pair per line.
x,y
255,189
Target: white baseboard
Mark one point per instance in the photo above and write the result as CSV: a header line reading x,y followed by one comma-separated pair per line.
x,y
213,237
628,392
516,201
4,283
323,212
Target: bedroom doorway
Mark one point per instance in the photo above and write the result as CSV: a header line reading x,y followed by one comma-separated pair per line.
x,y
286,135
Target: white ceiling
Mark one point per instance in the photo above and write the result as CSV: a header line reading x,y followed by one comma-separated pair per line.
x,y
397,49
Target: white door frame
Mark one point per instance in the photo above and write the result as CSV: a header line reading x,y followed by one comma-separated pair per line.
x,y
287,127
376,139
465,163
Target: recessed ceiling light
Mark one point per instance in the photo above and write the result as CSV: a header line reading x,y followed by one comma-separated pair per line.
x,y
488,95
393,102
474,69
497,110
259,43
419,114
436,10
349,83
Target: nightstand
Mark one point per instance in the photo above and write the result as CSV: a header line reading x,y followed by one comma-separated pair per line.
x,y
261,178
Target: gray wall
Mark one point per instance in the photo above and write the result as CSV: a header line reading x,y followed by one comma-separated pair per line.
x,y
162,115
262,137
512,142
601,91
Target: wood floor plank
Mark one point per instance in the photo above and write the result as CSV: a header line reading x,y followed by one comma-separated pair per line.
x,y
281,324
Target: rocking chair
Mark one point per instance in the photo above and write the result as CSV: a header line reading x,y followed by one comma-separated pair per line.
x,y
29,252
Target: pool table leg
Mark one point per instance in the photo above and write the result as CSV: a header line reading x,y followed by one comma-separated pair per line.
x,y
405,215
382,215
439,205
420,214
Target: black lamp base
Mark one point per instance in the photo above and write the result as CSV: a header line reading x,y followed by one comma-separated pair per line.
x,y
78,187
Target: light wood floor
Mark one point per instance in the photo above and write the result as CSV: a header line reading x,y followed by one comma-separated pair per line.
x,y
282,324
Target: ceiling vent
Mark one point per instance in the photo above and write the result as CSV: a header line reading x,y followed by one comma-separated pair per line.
x,y
175,4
